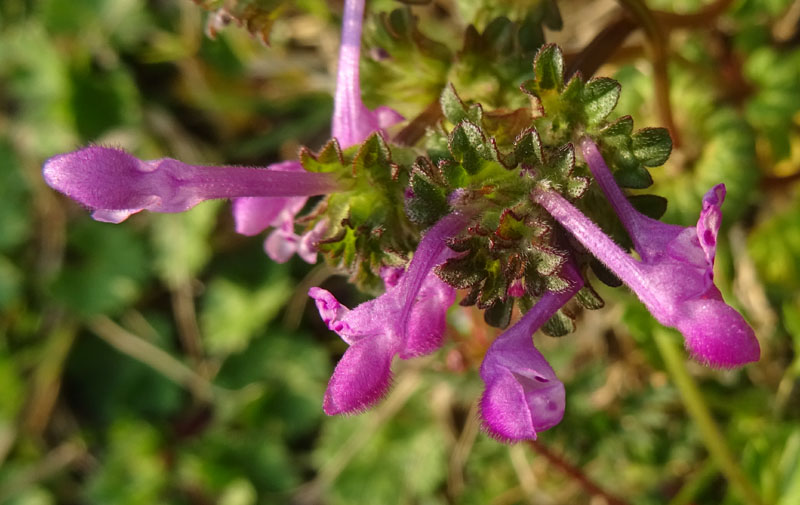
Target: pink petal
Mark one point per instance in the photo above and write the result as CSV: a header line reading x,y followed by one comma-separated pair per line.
x,y
361,378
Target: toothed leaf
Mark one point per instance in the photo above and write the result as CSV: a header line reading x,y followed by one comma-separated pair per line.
x,y
652,146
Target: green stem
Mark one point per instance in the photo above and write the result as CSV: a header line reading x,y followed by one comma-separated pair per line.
x,y
695,483
701,415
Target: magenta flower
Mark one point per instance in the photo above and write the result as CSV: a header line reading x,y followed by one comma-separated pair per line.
x,y
408,320
674,278
523,396
114,184
353,122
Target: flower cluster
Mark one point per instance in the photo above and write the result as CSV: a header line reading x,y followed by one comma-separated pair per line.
x,y
482,207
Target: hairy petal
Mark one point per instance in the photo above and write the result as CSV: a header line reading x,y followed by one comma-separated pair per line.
x,y
330,310
282,243
307,247
362,377
717,335
710,220
650,237
427,319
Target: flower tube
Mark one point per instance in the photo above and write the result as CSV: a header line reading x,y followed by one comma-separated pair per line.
x,y
352,121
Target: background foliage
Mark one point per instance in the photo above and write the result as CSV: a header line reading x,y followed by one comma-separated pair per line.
x,y
167,360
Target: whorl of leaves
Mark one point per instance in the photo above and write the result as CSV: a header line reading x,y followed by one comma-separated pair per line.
x,y
494,160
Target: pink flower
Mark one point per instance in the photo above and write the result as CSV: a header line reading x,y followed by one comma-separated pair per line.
x,y
408,320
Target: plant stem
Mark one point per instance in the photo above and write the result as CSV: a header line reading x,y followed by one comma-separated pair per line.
x,y
151,355
701,415
659,49
586,483
695,483
602,46
703,18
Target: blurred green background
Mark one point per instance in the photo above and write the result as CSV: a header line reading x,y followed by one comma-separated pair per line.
x,y
167,360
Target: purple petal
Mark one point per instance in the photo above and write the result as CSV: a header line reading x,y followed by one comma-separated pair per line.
x,y
710,220
391,276
386,116
307,248
330,310
515,408
115,184
650,237
282,243
361,378
427,320
717,335
516,289
408,319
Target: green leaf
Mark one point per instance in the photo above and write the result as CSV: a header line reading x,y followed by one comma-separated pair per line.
x,y
652,146
428,203
588,298
549,68
559,325
373,162
652,206
456,111
461,273
622,127
468,146
232,314
498,315
182,242
634,178
528,148
600,96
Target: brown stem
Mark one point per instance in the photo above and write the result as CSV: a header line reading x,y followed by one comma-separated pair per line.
x,y
185,314
786,30
780,181
416,128
658,54
601,48
576,473
700,19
